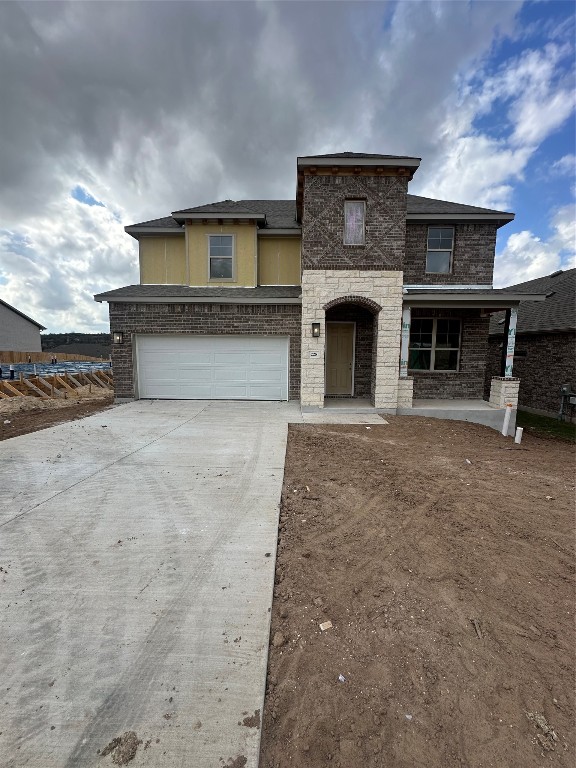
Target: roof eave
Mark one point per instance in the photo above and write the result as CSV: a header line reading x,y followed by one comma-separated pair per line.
x,y
182,216
134,231
404,162
499,218
102,297
462,300
280,231
22,315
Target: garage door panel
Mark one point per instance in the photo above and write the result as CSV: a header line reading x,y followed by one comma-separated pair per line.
x,y
266,358
223,375
266,375
213,367
195,358
266,392
192,392
195,373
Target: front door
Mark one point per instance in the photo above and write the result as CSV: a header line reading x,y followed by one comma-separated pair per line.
x,y
340,358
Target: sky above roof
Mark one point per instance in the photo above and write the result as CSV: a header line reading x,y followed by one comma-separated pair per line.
x,y
122,112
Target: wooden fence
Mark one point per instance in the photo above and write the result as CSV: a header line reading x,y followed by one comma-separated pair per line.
x,y
46,357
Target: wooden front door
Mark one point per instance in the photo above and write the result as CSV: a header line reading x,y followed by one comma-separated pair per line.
x,y
340,358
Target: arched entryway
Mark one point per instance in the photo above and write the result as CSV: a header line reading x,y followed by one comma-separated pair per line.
x,y
350,353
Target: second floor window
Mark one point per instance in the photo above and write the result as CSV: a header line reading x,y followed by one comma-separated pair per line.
x,y
354,215
434,344
221,257
440,248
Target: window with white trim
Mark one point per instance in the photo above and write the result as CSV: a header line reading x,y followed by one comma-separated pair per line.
x,y
440,248
434,344
354,219
221,257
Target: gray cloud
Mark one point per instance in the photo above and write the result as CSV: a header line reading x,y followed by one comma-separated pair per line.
x,y
154,106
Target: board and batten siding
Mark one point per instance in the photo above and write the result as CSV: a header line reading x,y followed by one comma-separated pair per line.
x,y
279,261
163,260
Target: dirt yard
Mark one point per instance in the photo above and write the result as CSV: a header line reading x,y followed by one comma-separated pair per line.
x,y
20,415
444,559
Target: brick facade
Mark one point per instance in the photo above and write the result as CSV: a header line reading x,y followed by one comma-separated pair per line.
x,y
468,382
473,256
550,362
210,319
323,222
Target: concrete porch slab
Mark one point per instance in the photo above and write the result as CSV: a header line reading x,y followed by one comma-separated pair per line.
x,y
474,411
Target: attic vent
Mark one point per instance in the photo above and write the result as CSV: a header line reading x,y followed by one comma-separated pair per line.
x,y
555,274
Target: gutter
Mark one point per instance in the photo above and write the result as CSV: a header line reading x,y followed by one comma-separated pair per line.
x,y
193,300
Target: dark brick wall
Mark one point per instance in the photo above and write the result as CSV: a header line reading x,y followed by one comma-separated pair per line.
x,y
258,319
473,257
549,363
468,382
363,344
323,222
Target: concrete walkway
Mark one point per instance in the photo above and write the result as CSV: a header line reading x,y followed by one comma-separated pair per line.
x,y
137,550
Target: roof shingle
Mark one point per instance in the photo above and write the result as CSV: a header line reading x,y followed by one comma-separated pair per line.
x,y
556,313
281,214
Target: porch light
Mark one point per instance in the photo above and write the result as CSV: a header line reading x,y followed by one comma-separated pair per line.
x,y
316,330
117,337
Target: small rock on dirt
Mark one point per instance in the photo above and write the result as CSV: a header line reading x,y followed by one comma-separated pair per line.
x,y
278,640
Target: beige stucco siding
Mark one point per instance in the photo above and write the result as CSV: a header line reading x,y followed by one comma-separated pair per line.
x,y
244,253
163,260
279,261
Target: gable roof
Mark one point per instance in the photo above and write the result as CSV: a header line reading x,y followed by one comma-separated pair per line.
x,y
281,214
556,313
17,312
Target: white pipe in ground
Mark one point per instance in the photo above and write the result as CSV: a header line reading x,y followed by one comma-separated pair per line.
x,y
507,419
518,438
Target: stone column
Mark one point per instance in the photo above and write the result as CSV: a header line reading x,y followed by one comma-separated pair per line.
x,y
504,391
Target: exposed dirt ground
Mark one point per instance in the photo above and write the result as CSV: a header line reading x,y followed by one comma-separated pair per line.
x,y
444,558
20,415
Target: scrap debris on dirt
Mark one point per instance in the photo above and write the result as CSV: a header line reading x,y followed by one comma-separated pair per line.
x,y
450,589
30,414
123,748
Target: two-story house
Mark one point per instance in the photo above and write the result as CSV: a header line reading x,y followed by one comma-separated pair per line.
x,y
355,289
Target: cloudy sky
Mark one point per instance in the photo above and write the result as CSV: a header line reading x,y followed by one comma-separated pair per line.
x,y
117,112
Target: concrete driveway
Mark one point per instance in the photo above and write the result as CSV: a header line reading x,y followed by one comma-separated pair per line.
x,y
137,551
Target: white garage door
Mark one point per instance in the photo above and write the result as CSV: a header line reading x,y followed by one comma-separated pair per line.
x,y
213,367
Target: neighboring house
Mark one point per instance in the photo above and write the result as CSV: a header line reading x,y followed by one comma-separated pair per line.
x,y
545,353
354,289
18,332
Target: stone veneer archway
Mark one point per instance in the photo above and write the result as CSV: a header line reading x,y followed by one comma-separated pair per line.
x,y
381,292
363,312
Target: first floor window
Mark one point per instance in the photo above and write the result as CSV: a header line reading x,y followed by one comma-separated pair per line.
x,y
434,344
221,257
440,247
